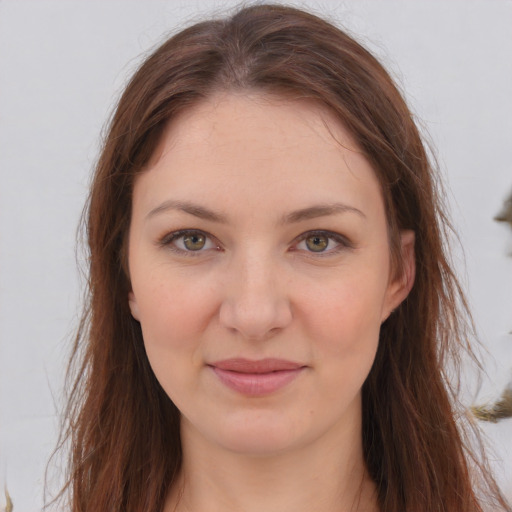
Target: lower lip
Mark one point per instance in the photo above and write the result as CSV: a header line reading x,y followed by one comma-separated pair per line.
x,y
256,384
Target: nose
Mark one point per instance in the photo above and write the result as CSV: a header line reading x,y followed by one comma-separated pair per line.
x,y
255,303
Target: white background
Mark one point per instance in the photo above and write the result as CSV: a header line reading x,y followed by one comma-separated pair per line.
x,y
62,66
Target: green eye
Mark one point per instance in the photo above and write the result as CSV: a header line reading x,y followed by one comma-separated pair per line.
x,y
190,242
194,241
322,243
317,243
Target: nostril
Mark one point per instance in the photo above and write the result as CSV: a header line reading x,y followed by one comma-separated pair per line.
x,y
255,320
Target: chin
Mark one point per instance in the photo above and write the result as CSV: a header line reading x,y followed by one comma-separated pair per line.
x,y
258,444
261,434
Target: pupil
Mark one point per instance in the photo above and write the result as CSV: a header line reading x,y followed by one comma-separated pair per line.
x,y
194,242
317,243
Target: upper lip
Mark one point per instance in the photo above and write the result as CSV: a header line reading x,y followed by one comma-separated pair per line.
x,y
242,365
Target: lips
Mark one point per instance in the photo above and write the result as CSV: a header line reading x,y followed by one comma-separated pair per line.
x,y
256,377
241,365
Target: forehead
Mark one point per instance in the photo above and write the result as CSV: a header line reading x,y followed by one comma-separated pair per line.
x,y
229,122
264,151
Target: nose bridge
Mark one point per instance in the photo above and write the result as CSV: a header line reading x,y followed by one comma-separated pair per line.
x,y
255,302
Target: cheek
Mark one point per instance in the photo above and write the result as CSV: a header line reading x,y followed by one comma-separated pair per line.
x,y
344,328
172,320
344,317
172,314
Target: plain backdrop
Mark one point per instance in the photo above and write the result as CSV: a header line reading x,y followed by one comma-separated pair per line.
x,y
62,67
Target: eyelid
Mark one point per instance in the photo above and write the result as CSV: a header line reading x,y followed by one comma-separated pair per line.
x,y
168,239
342,241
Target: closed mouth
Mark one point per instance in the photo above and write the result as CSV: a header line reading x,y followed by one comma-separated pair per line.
x,y
256,377
242,365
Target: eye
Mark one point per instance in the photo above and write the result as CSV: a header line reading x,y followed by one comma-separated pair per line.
x,y
189,241
322,242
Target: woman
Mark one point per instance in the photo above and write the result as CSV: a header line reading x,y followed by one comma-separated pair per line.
x,y
271,307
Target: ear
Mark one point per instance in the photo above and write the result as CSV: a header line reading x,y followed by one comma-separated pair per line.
x,y
134,307
400,286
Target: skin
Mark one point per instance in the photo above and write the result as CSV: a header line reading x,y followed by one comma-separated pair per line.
x,y
260,288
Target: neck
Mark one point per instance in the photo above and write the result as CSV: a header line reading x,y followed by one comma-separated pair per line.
x,y
326,476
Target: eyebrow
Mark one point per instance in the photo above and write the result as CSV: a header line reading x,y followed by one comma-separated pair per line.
x,y
190,208
321,210
311,212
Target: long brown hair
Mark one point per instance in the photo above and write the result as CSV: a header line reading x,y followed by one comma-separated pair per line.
x,y
122,428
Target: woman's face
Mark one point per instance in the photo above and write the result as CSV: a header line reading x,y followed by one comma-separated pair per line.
x,y
260,271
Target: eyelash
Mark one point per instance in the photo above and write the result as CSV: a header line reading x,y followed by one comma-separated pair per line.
x,y
167,241
343,242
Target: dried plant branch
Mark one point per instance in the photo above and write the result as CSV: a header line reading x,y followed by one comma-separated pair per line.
x,y
505,215
8,502
499,410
